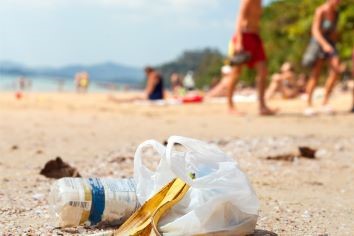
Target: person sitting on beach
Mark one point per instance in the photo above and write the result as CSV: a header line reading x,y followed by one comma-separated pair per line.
x,y
322,47
246,47
177,86
154,89
183,94
285,83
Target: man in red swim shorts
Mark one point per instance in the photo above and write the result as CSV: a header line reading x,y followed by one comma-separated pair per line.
x,y
247,46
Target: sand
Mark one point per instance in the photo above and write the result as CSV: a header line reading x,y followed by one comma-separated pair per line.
x,y
303,197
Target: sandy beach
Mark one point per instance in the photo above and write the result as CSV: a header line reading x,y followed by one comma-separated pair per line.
x,y
300,197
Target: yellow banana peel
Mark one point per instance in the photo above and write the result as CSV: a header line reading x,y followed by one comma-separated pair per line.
x,y
145,220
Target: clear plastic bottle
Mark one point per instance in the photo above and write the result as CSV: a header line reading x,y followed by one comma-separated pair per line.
x,y
78,201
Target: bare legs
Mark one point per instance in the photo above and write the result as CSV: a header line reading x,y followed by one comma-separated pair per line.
x,y
330,83
219,89
261,86
275,86
352,108
134,98
332,78
235,74
261,83
353,78
353,102
312,82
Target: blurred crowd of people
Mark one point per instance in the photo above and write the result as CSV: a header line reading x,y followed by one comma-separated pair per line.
x,y
246,48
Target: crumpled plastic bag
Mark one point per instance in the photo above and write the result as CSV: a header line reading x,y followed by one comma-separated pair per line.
x,y
220,199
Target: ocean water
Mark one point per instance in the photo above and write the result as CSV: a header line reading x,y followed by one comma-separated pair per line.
x,y
48,84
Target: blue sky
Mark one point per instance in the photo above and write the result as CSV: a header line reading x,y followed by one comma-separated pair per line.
x,y
131,32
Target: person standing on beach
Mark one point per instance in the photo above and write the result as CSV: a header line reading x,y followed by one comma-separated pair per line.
x,y
246,47
82,81
322,47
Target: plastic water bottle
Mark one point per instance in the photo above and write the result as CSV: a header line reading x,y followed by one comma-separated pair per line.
x,y
78,201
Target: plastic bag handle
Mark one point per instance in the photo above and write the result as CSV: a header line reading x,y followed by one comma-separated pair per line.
x,y
173,166
161,150
197,146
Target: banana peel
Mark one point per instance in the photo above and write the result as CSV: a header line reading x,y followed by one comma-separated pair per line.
x,y
145,220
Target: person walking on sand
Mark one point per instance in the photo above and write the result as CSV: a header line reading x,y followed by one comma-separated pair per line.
x,y
246,47
322,47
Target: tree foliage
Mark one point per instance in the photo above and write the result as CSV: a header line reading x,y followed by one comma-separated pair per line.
x,y
286,30
205,64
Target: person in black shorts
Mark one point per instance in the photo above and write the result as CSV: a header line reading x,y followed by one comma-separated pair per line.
x,y
321,48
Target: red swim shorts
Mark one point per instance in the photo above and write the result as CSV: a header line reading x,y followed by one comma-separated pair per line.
x,y
253,44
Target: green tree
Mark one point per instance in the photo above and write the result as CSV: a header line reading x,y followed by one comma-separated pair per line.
x,y
205,64
286,30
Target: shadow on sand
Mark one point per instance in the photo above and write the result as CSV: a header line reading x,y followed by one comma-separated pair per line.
x,y
260,232
301,115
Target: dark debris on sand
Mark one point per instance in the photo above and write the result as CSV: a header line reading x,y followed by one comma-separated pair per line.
x,y
303,152
57,169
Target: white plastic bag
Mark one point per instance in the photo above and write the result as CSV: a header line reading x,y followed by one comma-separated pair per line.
x,y
220,200
147,182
